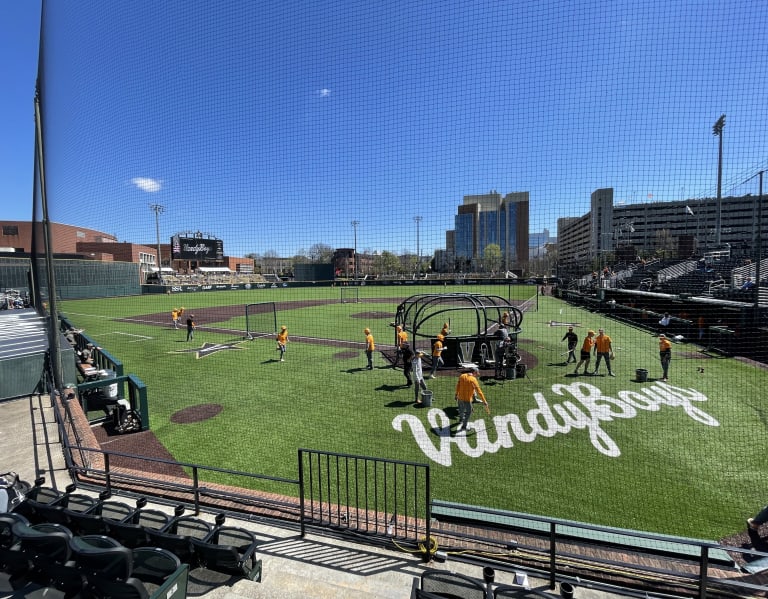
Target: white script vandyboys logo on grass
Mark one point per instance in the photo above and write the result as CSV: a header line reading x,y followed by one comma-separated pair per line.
x,y
587,410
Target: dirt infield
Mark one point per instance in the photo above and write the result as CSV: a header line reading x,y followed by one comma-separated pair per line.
x,y
219,313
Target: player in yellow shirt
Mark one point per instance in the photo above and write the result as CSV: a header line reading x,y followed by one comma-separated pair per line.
x,y
665,355
282,341
467,388
370,346
437,360
604,351
586,352
401,336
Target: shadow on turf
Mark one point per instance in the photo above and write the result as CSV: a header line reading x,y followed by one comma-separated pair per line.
x,y
399,404
390,388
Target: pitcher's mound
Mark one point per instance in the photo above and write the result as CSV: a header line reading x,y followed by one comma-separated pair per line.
x,y
372,315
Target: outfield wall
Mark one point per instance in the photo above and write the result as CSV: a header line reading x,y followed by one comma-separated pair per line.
x,y
148,289
86,279
75,279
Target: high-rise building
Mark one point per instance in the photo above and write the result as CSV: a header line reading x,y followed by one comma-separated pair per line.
x,y
488,219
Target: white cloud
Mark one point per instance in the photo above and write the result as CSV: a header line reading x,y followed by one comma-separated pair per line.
x,y
147,184
324,93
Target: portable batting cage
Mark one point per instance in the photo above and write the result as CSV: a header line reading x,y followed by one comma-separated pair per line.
x,y
473,322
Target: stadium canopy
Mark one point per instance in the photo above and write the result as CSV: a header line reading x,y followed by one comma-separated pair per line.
x,y
164,269
213,269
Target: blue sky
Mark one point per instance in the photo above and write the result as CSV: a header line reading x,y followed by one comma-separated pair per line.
x,y
275,124
19,38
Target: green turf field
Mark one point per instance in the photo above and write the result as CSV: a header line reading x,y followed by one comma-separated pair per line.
x,y
686,457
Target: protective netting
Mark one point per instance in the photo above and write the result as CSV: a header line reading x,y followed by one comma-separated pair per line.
x,y
557,154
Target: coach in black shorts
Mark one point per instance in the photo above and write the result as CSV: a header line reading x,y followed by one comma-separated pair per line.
x,y
573,341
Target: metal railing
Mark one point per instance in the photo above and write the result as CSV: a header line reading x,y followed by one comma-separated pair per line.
x,y
372,496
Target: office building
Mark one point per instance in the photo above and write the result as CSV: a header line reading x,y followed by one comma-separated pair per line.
x,y
488,219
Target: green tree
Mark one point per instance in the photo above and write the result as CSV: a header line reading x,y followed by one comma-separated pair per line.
x,y
386,263
492,257
409,263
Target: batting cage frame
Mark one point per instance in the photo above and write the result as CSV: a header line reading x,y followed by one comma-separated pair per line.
x,y
254,326
474,322
350,295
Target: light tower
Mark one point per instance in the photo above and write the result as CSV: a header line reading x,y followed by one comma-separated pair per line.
x,y
354,226
417,220
158,210
717,129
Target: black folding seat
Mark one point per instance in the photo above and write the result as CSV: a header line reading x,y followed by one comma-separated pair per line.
x,y
131,531
177,536
118,572
51,505
46,547
14,565
229,549
101,555
440,583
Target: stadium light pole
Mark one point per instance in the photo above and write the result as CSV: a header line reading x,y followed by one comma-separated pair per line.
x,y
354,256
757,236
158,210
759,246
717,129
417,220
